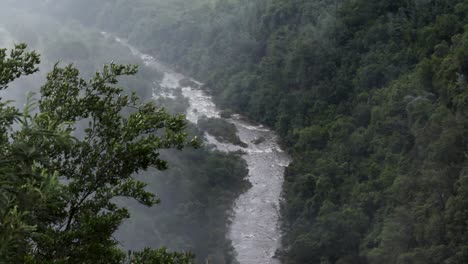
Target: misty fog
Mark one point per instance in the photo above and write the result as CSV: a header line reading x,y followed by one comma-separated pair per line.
x,y
329,131
186,219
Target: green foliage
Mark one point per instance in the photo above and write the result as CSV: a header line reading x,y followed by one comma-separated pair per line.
x,y
369,96
160,256
188,195
59,180
16,64
196,200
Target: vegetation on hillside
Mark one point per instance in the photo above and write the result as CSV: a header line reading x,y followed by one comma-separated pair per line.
x,y
370,98
196,195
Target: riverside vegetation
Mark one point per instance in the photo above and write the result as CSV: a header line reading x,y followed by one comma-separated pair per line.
x,y
49,157
370,98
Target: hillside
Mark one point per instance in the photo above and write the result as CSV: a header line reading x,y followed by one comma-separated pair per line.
x,y
370,98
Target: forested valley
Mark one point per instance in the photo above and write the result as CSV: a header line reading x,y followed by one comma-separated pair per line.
x,y
370,98
194,195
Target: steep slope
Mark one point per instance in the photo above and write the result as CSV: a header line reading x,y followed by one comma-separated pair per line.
x,y
198,190
370,97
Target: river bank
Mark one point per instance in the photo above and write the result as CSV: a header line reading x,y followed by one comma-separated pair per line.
x,y
255,229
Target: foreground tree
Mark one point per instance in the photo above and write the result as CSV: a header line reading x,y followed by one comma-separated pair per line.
x,y
64,159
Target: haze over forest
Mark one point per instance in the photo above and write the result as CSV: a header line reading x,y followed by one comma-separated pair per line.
x,y
234,131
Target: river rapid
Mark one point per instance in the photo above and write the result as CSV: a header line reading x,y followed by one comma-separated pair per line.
x,y
254,229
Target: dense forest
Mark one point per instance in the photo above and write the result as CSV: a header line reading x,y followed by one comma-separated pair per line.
x,y
369,97
195,188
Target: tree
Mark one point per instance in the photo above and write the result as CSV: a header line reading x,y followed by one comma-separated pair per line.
x,y
66,156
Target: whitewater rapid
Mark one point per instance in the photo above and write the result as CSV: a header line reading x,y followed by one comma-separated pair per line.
x,y
254,230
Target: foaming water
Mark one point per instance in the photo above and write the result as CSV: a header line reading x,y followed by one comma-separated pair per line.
x,y
254,231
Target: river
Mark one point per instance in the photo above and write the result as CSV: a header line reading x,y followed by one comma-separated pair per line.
x,y
255,229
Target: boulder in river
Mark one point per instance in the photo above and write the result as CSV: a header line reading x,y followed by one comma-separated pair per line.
x,y
187,82
226,113
222,130
258,140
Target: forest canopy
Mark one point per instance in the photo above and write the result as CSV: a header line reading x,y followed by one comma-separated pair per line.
x,y
369,97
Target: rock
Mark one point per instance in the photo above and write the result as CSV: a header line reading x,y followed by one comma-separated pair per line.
x,y
222,130
186,82
258,140
239,152
226,113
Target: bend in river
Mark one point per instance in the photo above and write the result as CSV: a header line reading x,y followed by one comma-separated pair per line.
x,y
254,231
